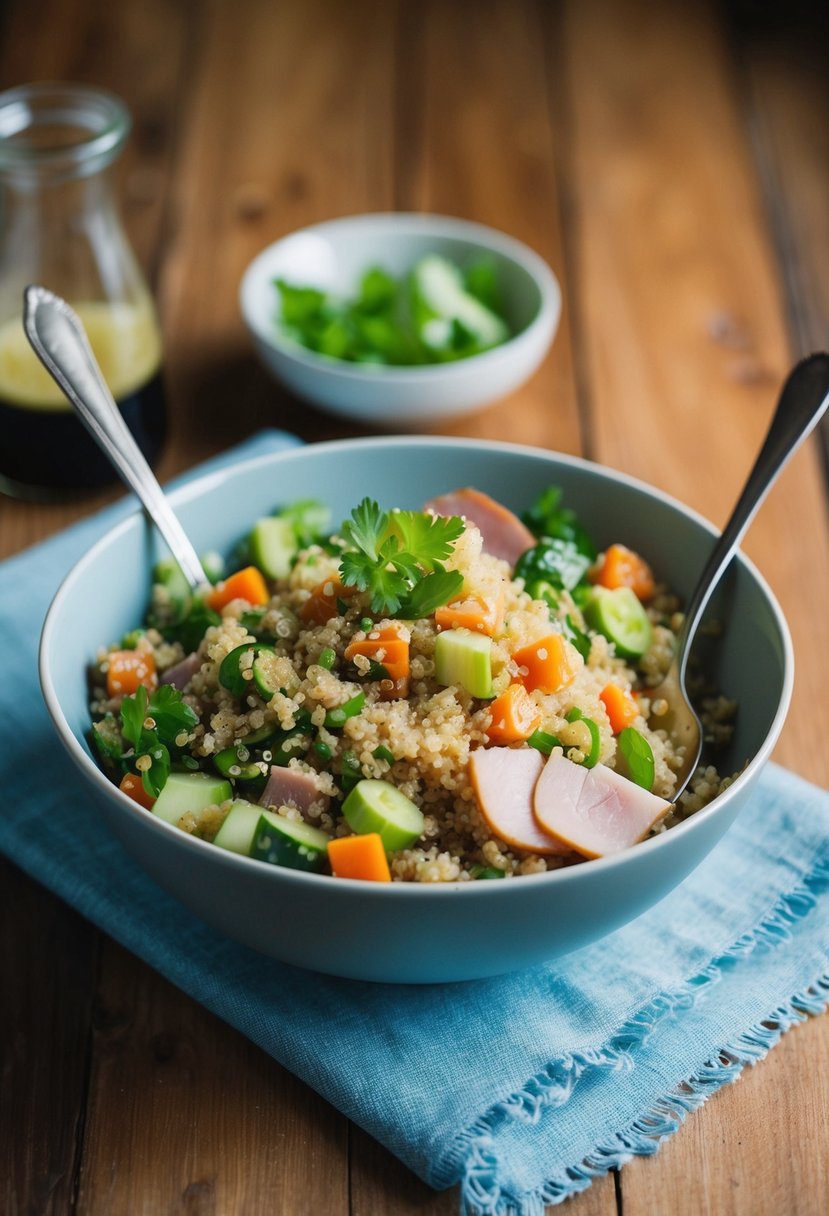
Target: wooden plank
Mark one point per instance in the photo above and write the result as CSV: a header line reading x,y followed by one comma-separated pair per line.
x,y
681,305
476,140
317,78
186,1115
48,959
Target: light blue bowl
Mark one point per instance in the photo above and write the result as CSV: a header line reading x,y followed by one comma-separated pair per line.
x,y
407,932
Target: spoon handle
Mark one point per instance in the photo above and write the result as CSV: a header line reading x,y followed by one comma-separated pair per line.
x,y
803,400
60,342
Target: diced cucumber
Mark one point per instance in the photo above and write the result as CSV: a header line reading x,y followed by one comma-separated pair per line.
x,y
236,833
253,832
269,673
441,298
620,617
378,806
464,657
273,546
184,792
289,842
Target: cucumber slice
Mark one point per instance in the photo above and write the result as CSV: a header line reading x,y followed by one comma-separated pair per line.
x,y
269,673
377,806
289,842
230,672
273,546
465,658
441,298
236,833
620,617
184,792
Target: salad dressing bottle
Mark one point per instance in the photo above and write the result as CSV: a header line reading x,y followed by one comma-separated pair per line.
x,y
59,227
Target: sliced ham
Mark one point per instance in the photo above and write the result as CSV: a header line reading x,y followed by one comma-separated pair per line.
x,y
291,787
504,534
594,811
182,673
503,779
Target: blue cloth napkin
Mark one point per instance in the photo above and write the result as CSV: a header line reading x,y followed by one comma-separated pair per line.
x,y
521,1089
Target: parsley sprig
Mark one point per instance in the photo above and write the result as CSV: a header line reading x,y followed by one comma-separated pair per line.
x,y
171,715
397,558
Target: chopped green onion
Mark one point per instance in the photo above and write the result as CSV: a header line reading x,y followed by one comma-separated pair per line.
x,y
592,757
322,749
367,624
327,658
543,742
383,753
478,872
341,713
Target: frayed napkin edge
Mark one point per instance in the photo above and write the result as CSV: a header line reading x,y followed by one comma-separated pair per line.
x,y
473,1159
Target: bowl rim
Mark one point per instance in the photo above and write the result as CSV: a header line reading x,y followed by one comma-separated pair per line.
x,y
203,484
417,223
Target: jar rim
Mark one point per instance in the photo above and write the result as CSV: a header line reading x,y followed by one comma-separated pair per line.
x,y
98,120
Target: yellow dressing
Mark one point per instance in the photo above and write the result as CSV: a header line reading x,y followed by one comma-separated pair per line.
x,y
125,340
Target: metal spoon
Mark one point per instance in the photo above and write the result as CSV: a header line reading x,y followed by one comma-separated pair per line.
x,y
803,400
60,342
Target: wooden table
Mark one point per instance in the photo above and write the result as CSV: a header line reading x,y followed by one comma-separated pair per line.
x,y
671,162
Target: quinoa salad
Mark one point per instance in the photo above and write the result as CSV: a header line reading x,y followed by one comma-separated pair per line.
x,y
445,695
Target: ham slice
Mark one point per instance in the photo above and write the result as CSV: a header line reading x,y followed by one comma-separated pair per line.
x,y
594,811
290,787
182,673
503,779
504,534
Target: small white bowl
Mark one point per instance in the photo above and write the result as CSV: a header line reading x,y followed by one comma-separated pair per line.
x,y
333,256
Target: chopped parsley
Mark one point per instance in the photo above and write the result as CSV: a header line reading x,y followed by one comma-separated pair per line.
x,y
397,558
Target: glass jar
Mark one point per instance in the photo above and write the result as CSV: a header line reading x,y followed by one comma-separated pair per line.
x,y
59,226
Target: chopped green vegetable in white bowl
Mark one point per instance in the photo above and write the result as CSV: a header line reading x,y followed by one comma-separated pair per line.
x,y
400,320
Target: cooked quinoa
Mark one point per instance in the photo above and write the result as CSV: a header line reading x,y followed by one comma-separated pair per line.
x,y
417,737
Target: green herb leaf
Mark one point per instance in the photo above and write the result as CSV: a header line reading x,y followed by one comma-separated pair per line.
x,y
155,777
133,713
171,713
430,538
559,563
638,757
547,518
366,528
429,594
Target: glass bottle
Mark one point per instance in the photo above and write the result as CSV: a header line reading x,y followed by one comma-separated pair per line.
x,y
59,226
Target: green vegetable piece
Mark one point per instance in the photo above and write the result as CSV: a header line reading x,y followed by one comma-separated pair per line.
x,y
273,546
543,741
377,806
350,771
383,753
638,757
268,674
230,670
190,630
551,563
289,842
547,518
479,872
327,658
592,757
439,298
285,748
107,739
130,640
192,792
168,573
309,518
338,716
620,617
237,831
464,657
230,765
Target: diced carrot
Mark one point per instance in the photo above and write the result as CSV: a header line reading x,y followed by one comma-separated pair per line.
x,y
133,787
473,612
359,857
547,664
622,709
621,567
389,648
321,605
248,584
514,716
128,669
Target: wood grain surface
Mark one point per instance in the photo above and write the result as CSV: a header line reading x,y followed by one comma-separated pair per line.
x,y
671,162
